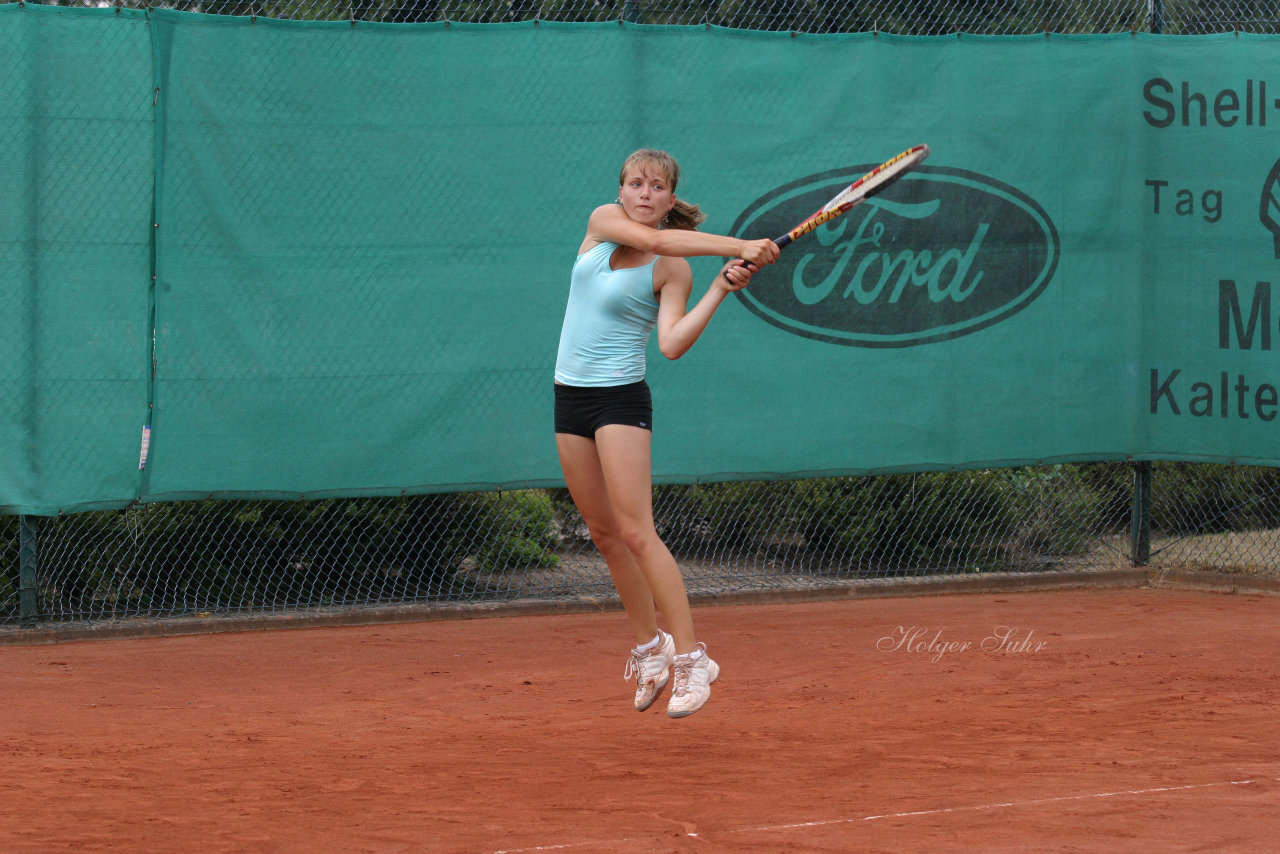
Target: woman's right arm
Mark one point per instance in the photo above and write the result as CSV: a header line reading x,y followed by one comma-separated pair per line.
x,y
610,223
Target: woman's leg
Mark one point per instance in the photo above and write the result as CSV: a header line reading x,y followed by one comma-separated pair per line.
x,y
623,456
583,475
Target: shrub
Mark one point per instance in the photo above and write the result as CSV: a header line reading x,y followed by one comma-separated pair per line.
x,y
514,529
9,567
1203,499
919,522
731,515
1065,509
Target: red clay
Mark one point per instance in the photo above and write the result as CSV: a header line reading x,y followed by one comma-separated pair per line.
x,y
1124,721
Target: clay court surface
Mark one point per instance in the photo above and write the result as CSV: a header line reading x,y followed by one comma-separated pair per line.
x,y
1093,720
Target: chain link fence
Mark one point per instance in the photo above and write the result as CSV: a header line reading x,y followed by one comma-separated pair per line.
x,y
993,17
240,557
227,557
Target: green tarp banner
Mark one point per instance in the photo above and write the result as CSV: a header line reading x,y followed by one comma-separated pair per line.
x,y
362,240
76,177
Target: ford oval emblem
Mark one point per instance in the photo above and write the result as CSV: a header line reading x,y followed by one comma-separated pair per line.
x,y
939,254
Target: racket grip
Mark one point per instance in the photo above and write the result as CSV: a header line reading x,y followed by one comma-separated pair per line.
x,y
781,241
741,263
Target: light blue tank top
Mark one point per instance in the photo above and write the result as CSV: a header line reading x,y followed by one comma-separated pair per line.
x,y
607,322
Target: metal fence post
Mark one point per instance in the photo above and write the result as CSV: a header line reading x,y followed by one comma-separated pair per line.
x,y
1155,15
1140,522
28,563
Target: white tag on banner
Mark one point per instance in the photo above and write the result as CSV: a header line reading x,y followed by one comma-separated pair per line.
x,y
146,447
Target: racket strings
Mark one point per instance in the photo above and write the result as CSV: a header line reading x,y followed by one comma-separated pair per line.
x,y
884,173
875,180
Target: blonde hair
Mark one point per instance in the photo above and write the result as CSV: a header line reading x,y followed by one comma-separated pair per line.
x,y
682,215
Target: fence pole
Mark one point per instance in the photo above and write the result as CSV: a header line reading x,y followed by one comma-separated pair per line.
x,y
1155,15
28,563
1140,520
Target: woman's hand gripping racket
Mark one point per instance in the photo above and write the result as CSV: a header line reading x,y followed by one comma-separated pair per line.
x,y
857,192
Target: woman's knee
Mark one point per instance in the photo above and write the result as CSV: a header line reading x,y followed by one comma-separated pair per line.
x,y
641,539
605,537
636,536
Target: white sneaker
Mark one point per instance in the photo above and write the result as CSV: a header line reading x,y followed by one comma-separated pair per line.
x,y
693,678
652,670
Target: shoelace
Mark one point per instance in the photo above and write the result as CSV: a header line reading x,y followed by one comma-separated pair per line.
x,y
633,665
681,670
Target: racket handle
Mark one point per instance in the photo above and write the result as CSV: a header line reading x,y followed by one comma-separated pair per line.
x,y
781,241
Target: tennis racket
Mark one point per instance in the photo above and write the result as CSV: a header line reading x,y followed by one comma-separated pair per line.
x,y
859,191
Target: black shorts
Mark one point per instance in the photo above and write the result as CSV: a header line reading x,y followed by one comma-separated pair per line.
x,y
581,410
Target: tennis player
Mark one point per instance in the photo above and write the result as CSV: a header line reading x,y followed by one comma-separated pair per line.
x,y
630,276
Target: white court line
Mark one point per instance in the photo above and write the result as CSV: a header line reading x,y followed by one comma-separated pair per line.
x,y
1004,805
914,813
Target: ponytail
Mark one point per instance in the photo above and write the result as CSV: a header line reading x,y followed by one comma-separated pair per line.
x,y
684,215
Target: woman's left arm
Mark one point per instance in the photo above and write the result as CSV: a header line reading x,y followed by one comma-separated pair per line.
x,y
678,325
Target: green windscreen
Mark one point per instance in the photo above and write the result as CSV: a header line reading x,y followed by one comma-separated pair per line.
x,y
77,132
363,237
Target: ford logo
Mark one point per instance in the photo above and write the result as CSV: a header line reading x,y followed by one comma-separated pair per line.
x,y
939,254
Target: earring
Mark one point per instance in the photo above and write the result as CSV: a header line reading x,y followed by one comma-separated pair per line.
x,y
618,200
666,218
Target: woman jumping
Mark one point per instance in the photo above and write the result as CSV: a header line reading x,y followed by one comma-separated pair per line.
x,y
630,276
